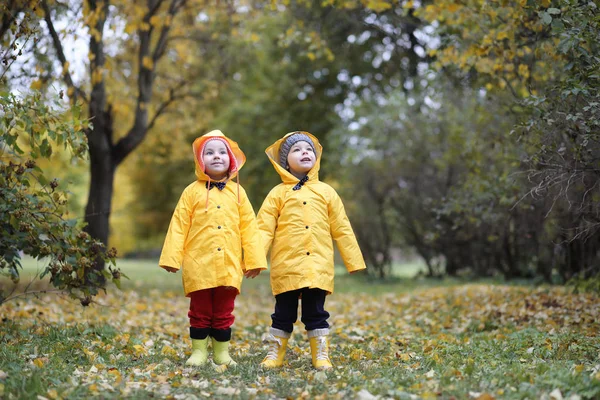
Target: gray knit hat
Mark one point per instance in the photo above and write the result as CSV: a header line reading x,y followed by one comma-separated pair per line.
x,y
286,145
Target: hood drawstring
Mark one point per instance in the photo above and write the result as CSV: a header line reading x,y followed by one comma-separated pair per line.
x,y
207,194
237,181
299,184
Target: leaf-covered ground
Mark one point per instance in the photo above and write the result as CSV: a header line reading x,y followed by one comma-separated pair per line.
x,y
468,341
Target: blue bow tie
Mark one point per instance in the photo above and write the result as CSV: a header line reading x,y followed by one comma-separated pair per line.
x,y
299,184
218,185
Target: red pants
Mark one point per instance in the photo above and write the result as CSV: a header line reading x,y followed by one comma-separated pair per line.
x,y
212,308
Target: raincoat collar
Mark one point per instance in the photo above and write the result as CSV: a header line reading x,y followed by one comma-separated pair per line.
x,y
273,153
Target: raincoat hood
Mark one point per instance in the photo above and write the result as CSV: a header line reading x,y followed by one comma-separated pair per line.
x,y
286,176
236,162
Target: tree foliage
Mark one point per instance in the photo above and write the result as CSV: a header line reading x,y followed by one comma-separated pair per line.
x,y
33,210
547,53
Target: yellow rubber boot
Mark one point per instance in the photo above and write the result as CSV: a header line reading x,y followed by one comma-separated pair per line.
x,y
199,352
319,348
221,354
276,353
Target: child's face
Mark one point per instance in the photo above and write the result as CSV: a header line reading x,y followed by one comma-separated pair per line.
x,y
216,159
301,157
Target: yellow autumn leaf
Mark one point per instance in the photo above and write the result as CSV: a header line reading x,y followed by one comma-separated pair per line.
x,y
36,85
168,351
453,7
379,5
139,350
311,56
147,62
154,20
52,394
90,354
65,68
130,28
38,362
502,35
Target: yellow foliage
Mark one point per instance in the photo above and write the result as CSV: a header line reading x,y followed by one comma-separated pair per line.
x,y
155,20
378,5
130,28
492,40
524,71
65,68
147,62
36,85
502,35
97,75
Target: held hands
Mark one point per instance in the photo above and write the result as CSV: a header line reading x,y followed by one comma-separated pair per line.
x,y
170,269
252,273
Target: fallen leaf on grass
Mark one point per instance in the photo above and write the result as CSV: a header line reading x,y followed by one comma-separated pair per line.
x,y
364,394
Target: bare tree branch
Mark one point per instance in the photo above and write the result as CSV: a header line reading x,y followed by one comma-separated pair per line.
x,y
9,17
163,107
61,54
146,77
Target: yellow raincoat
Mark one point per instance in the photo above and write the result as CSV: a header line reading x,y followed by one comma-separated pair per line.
x,y
209,229
301,225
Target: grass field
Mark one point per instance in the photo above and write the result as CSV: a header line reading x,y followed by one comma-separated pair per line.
x,y
402,339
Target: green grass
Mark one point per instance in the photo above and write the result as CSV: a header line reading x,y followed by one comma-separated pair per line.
x,y
404,338
146,275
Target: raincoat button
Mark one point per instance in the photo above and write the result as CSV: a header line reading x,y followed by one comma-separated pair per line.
x,y
218,206
306,226
219,227
308,253
304,203
219,249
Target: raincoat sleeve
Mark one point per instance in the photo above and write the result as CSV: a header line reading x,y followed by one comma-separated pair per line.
x,y
254,257
267,219
344,237
172,252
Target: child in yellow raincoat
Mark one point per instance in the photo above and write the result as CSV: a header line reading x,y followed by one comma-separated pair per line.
x,y
301,217
212,223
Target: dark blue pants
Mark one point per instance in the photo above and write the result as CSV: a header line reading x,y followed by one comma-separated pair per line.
x,y
314,315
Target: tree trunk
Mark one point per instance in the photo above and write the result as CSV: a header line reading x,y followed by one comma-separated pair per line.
x,y
97,211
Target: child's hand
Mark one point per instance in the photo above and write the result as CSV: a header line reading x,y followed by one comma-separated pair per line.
x,y
252,273
171,269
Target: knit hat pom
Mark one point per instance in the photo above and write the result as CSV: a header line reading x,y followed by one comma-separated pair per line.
x,y
286,146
